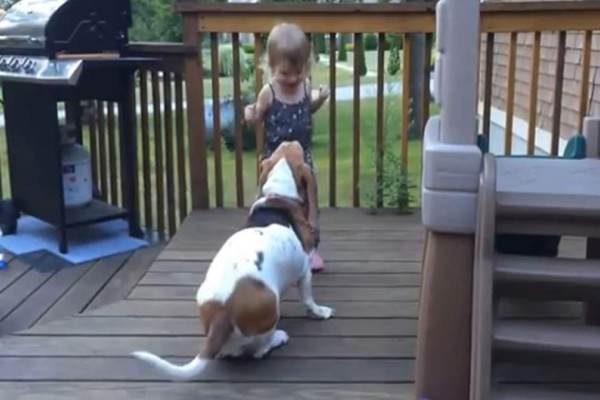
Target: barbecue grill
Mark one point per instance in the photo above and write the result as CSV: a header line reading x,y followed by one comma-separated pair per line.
x,y
69,51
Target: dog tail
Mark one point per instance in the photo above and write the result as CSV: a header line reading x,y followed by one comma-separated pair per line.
x,y
220,329
175,372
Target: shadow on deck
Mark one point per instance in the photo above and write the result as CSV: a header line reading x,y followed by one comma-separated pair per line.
x,y
39,287
365,352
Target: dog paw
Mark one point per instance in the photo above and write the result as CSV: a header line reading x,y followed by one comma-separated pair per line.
x,y
278,339
321,312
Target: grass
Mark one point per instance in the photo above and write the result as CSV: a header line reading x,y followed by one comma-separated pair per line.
x,y
371,60
320,76
344,160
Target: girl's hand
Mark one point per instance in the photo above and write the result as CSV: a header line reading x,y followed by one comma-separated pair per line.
x,y
318,96
323,93
250,113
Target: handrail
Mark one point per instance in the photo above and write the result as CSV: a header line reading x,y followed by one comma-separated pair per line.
x,y
389,18
483,279
190,6
162,48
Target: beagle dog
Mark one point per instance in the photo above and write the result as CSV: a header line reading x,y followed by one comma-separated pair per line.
x,y
238,301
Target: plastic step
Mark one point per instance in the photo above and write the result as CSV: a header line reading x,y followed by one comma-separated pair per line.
x,y
547,342
540,222
517,392
547,278
548,186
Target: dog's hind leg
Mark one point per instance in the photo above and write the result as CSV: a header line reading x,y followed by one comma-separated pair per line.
x,y
313,310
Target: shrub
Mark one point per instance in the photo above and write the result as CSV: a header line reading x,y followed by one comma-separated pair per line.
x,y
394,61
349,46
394,39
370,42
393,190
248,48
226,63
343,52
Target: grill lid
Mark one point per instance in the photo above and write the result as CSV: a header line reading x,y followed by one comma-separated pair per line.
x,y
48,27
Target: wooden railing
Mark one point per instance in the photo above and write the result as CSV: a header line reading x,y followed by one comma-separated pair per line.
x,y
342,182
162,186
347,152
361,146
162,148
531,53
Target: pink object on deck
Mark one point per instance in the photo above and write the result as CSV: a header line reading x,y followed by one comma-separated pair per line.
x,y
316,262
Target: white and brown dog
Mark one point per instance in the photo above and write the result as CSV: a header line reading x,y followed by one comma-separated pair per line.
x,y
240,296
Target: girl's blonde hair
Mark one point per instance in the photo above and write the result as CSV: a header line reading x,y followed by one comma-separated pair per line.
x,y
287,42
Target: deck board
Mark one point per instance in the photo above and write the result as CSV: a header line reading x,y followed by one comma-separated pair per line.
x,y
365,352
185,293
212,391
15,268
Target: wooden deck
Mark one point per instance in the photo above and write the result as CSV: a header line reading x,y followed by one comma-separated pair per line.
x,y
365,352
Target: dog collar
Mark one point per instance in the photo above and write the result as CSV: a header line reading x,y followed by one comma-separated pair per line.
x,y
276,196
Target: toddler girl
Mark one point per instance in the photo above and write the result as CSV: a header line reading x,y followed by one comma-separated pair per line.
x,y
286,103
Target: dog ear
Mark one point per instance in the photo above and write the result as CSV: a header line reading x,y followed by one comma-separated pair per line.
x,y
217,327
263,171
311,193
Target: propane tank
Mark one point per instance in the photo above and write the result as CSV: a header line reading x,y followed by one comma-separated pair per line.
x,y
76,170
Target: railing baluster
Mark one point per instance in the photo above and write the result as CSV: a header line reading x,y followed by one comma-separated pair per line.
x,y
145,133
92,132
356,121
406,63
112,154
332,121
510,93
585,78
180,146
216,106
558,90
102,149
168,104
237,99
258,84
426,94
158,155
379,121
488,83
533,93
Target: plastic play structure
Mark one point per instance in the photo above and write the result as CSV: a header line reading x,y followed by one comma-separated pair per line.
x,y
493,229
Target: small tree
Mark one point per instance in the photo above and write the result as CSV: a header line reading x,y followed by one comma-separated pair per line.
x,y
362,61
394,61
342,52
393,189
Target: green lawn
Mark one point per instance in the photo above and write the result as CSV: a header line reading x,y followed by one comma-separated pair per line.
x,y
371,60
320,76
344,130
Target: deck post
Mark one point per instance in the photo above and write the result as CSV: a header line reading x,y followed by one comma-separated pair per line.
x,y
451,171
195,114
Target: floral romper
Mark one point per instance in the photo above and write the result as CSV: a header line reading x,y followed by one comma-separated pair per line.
x,y
289,122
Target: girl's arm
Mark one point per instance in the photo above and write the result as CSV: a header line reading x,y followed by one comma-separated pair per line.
x,y
255,113
318,97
